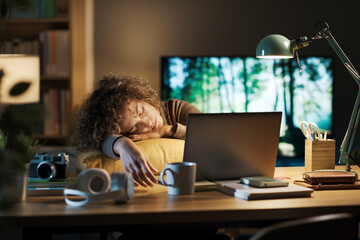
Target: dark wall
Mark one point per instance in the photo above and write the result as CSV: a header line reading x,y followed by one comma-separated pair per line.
x,y
131,35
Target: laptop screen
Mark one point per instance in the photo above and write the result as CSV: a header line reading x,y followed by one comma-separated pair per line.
x,y
232,145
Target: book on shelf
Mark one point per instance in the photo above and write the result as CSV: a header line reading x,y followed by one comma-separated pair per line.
x,y
24,9
61,8
53,47
19,46
46,8
57,109
39,9
55,53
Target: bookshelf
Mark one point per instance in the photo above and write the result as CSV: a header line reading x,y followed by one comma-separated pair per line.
x,y
75,80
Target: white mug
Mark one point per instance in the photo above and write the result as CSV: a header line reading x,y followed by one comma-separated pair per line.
x,y
180,178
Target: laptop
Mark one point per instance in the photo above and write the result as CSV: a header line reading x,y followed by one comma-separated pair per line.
x,y
228,146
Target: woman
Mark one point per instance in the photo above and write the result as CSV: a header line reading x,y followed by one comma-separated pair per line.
x,y
123,109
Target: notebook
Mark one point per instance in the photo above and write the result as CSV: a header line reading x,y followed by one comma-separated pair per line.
x,y
228,146
238,190
39,187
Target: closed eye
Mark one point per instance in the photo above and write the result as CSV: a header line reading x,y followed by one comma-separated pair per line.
x,y
140,111
133,129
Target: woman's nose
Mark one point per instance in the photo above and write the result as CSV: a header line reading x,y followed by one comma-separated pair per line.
x,y
145,125
146,121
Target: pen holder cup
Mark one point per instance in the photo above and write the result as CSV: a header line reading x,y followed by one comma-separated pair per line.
x,y
319,155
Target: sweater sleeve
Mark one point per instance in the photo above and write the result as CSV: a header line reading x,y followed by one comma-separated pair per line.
x,y
178,111
108,146
180,131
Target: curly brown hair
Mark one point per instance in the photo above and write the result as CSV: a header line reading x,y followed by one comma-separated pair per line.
x,y
100,115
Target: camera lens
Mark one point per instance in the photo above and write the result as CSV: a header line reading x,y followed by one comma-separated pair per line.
x,y
46,170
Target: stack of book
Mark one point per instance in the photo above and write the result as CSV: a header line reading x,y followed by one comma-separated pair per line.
x,y
55,53
246,192
39,187
57,108
53,47
19,46
39,9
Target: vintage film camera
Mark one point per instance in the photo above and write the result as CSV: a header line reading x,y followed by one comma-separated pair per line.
x,y
49,166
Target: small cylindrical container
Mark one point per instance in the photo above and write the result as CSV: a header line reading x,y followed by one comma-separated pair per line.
x,y
319,154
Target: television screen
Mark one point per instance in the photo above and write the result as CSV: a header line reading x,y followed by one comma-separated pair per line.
x,y
246,84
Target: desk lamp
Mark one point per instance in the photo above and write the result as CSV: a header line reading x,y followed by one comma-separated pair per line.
x,y
277,46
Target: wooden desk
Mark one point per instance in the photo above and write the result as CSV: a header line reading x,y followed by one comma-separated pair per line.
x,y
154,208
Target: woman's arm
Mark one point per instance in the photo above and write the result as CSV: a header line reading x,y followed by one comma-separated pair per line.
x,y
176,111
132,159
165,131
135,162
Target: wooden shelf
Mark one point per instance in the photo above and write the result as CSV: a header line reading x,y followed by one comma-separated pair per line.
x,y
79,23
54,78
47,82
37,20
30,28
53,137
52,140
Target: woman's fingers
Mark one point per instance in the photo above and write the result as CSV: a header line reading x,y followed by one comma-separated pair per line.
x,y
146,174
136,163
142,174
150,177
151,172
138,176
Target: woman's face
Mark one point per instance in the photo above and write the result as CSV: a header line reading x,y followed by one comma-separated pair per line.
x,y
140,117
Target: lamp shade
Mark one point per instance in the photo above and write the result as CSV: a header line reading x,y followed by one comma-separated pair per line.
x,y
274,46
19,78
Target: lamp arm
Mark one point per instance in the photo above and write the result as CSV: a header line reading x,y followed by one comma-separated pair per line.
x,y
346,145
340,53
348,140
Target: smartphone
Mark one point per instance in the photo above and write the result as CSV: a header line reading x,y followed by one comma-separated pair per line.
x,y
263,182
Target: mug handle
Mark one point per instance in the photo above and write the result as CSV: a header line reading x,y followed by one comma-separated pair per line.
x,y
163,172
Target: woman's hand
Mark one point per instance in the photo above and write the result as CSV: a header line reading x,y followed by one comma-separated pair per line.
x,y
160,132
135,162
